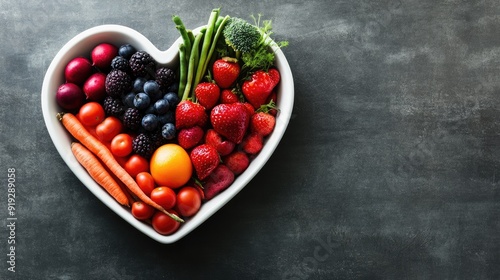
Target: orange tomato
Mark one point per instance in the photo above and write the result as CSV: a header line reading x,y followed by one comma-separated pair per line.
x,y
171,166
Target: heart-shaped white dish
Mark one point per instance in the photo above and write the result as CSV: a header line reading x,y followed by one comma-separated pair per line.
x,y
81,45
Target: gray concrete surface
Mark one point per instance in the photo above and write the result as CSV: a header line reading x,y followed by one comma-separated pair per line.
x,y
388,169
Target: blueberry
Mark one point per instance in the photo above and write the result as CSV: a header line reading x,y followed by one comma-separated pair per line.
x,y
150,109
161,106
173,98
139,84
168,131
149,122
166,118
128,99
126,51
141,101
151,87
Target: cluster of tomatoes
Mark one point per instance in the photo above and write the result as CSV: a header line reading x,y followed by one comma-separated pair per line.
x,y
184,202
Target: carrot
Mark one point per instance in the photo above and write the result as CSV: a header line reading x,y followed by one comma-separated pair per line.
x,y
99,173
76,128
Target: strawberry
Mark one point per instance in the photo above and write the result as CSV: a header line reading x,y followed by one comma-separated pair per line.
x,y
275,75
207,94
228,96
272,99
189,114
262,123
253,143
205,159
257,88
230,121
223,146
225,71
250,108
220,179
190,137
237,162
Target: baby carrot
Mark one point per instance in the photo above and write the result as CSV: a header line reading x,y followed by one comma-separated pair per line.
x,y
98,172
75,128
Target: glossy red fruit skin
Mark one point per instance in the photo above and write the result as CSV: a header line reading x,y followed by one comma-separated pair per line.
x,y
189,114
103,54
94,87
237,162
190,137
205,159
78,70
262,123
70,96
207,94
228,96
258,88
220,179
230,121
225,72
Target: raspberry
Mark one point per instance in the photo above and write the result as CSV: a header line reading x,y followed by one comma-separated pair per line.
x,y
142,64
132,118
165,77
143,146
113,106
117,83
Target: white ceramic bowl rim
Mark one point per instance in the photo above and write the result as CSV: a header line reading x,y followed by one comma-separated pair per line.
x,y
80,45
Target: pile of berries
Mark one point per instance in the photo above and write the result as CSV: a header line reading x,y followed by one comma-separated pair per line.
x,y
130,86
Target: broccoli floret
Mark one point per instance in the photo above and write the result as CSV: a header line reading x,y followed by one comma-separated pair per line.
x,y
241,36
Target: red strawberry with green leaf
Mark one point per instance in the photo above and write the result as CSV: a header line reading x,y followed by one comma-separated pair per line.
x,y
257,89
207,94
225,71
228,96
189,114
230,121
262,123
205,159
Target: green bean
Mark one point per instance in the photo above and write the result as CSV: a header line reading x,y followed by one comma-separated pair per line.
x,y
183,65
219,29
206,45
193,64
182,30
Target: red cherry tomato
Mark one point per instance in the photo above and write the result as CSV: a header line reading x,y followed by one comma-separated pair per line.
x,y
121,145
108,128
91,113
142,211
164,196
145,182
188,201
163,224
135,165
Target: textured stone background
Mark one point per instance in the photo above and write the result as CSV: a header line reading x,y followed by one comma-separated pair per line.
x,y
387,170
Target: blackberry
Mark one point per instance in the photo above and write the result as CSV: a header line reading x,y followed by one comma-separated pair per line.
x,y
120,63
143,146
117,83
132,118
113,106
142,64
165,77
157,139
